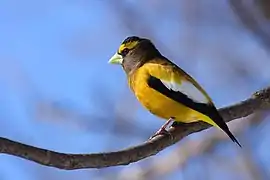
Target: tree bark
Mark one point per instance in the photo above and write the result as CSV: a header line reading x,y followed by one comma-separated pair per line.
x,y
258,101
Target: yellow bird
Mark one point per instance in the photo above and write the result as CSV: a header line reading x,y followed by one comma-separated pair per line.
x,y
163,88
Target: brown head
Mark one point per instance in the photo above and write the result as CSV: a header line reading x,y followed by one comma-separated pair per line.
x,y
134,52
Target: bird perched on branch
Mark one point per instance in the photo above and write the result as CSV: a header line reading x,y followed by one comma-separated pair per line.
x,y
165,89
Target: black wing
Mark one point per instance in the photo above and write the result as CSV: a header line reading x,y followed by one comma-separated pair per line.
x,y
203,108
207,109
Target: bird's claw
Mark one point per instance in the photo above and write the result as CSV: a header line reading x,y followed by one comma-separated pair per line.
x,y
163,132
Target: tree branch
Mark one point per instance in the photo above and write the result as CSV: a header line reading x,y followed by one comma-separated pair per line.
x,y
258,101
179,157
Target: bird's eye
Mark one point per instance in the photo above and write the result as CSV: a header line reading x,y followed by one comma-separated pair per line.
x,y
125,51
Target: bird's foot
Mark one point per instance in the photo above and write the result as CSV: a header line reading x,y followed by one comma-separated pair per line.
x,y
161,131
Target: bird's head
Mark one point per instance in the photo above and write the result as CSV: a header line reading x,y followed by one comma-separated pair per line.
x,y
133,52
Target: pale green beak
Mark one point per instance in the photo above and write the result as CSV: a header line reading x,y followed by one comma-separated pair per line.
x,y
116,59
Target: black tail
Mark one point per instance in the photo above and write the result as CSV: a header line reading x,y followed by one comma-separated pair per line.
x,y
221,123
228,132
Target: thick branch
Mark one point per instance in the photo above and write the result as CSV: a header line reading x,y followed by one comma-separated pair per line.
x,y
259,101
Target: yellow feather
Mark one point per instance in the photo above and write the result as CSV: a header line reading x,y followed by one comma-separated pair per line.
x,y
129,45
159,104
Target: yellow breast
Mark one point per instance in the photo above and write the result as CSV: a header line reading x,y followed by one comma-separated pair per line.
x,y
157,103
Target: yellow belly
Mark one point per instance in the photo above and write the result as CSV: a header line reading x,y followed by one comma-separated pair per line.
x,y
164,107
159,104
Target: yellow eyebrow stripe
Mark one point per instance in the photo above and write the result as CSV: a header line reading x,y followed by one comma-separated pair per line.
x,y
129,45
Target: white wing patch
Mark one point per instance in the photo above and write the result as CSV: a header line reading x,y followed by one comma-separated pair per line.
x,y
188,89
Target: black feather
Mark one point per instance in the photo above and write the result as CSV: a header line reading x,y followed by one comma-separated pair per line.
x,y
131,39
207,109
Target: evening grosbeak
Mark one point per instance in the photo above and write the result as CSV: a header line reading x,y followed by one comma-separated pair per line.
x,y
165,89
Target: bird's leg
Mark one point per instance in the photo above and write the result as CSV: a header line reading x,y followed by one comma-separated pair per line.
x,y
162,130
179,124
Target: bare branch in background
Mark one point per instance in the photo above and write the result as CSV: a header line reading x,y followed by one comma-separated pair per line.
x,y
259,101
264,6
250,19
